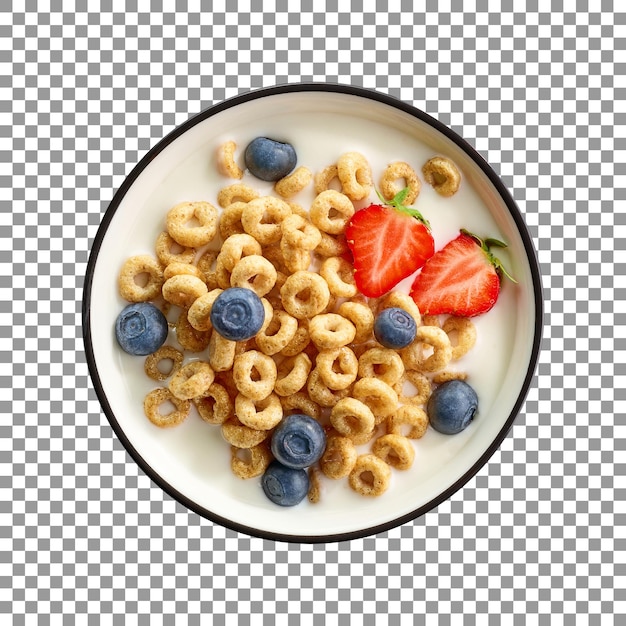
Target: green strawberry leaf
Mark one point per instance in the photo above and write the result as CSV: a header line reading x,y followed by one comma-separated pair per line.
x,y
485,245
397,202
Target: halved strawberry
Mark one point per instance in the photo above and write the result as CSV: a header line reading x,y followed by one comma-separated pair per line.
x,y
388,243
462,279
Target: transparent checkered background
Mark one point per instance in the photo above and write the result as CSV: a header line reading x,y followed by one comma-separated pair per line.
x,y
538,536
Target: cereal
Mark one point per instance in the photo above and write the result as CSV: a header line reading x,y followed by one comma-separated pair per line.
x,y
415,357
295,259
382,363
262,218
292,374
331,211
176,268
332,245
191,380
395,450
254,272
408,416
419,382
254,374
305,294
181,223
353,419
339,457
164,353
230,220
300,340
237,246
294,183
379,397
315,487
183,289
355,175
464,333
361,317
259,414
129,279
338,367
242,436
158,398
226,160
277,335
339,274
188,337
250,462
323,178
214,405
168,251
320,393
300,402
199,313
221,352
370,475
400,170
298,232
447,375
331,330
236,193
401,301
442,175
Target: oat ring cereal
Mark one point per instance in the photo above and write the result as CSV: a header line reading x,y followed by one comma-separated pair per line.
x,y
354,419
277,335
130,285
164,353
381,363
242,436
296,259
183,289
188,337
332,245
419,382
191,380
401,301
254,374
230,220
300,233
339,274
338,367
320,393
443,175
300,403
361,317
379,397
254,272
221,352
409,418
414,356
339,457
250,462
226,164
157,398
395,450
400,170
323,178
464,331
199,313
305,294
168,251
214,405
292,374
176,268
446,375
370,475
355,174
237,246
262,218
237,193
259,414
300,340
202,216
294,183
331,330
331,211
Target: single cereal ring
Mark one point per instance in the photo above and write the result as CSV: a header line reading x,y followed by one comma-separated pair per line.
x,y
338,367
269,315
254,374
332,245
361,317
221,352
315,487
296,259
443,175
222,275
414,356
280,331
274,255
300,403
199,313
292,374
298,209
262,218
370,475
381,363
255,273
331,330
236,247
443,377
242,436
395,450
413,417
353,170
331,211
298,232
188,337
176,268
183,289
164,353
158,397
463,331
320,393
399,170
206,265
250,462
300,340
431,320
178,219
226,161
419,382
168,251
234,194
305,294
379,397
353,419
401,301
259,414
339,274
294,183
214,405
339,457
230,220
191,380
131,286
323,178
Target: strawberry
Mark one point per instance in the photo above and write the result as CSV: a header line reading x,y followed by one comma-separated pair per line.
x,y
462,279
388,242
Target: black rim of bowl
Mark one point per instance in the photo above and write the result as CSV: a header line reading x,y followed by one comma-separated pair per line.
x,y
272,91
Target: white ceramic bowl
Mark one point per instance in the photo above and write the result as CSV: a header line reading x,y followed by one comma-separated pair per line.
x,y
191,462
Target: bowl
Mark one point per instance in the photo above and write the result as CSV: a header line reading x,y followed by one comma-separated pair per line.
x,y
191,462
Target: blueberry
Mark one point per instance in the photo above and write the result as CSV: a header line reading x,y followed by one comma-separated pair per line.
x,y
394,328
298,441
141,329
452,406
268,159
237,314
283,485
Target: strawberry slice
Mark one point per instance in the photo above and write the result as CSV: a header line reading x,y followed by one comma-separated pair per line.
x,y
388,242
462,279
